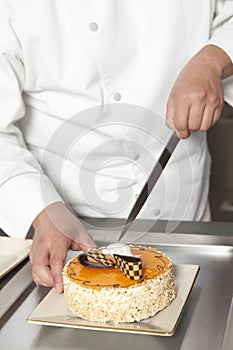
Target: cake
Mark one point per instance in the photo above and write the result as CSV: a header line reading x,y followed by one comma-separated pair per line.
x,y
108,294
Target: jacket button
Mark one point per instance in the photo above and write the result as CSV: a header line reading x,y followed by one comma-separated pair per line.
x,y
93,26
136,156
117,96
157,212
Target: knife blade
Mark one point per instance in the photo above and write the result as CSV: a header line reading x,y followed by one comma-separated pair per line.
x,y
151,181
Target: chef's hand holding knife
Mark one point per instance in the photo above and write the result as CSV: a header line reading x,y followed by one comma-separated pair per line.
x,y
195,103
196,99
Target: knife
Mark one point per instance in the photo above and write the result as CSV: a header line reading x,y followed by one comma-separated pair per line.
x,y
151,181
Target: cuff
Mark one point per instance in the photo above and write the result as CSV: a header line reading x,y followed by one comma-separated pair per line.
x,y
23,197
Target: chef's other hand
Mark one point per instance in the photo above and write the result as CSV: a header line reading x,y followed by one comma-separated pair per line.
x,y
196,99
56,231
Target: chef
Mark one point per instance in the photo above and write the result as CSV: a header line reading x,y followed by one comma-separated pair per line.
x,y
89,93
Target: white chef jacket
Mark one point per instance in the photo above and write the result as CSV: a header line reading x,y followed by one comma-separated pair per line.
x,y
83,92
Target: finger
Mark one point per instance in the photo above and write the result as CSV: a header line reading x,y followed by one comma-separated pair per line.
x,y
44,277
212,111
40,268
170,115
57,260
217,115
207,118
196,113
181,120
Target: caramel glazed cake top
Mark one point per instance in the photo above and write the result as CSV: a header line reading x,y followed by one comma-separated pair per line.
x,y
154,263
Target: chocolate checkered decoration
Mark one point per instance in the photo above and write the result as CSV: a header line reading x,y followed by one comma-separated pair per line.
x,y
100,257
131,266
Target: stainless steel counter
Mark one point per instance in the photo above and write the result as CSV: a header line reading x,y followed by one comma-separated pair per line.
x,y
206,323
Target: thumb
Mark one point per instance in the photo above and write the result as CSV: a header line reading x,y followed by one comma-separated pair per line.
x,y
79,246
85,242
87,247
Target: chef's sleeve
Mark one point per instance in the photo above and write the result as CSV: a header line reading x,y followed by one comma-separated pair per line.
x,y
22,183
222,36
